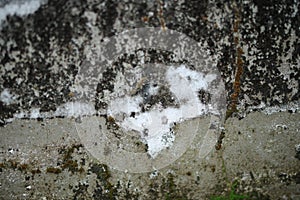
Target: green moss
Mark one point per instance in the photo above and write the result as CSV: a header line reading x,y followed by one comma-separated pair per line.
x,y
35,171
101,170
229,112
171,190
165,187
68,151
232,195
13,164
71,165
67,160
67,163
23,167
104,189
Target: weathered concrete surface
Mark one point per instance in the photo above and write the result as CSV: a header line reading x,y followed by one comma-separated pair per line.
x,y
254,45
46,160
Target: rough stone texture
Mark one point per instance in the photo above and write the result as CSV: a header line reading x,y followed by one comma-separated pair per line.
x,y
254,44
46,160
42,53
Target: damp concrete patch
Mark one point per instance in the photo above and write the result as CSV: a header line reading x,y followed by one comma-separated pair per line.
x,y
46,159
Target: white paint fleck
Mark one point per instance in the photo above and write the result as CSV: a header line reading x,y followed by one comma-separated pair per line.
x,y
297,147
11,151
153,174
7,97
150,14
281,126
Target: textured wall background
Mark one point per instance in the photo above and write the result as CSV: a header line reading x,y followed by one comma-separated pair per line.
x,y
255,46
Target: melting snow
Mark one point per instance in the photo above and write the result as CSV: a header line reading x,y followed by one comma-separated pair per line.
x,y
155,125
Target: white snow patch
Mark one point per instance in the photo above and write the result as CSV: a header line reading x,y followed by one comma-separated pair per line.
x,y
155,124
291,106
35,113
125,105
70,109
153,90
7,97
75,109
20,8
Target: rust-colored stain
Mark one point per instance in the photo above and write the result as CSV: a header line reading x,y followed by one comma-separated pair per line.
x,y
238,74
145,19
35,171
161,14
219,142
238,67
54,170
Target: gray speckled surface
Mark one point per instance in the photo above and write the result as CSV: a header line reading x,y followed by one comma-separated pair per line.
x,y
46,160
42,53
253,44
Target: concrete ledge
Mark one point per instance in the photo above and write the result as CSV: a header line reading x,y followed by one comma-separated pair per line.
x,y
46,160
